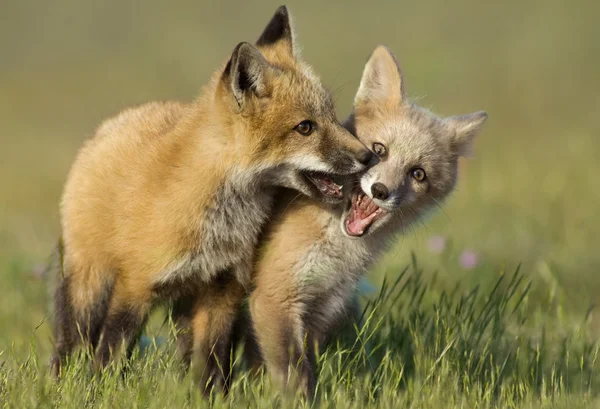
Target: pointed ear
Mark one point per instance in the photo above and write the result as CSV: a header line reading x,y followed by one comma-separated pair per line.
x,y
381,83
465,129
279,34
246,73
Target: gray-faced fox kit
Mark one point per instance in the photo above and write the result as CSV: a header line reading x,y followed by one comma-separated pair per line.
x,y
169,198
313,254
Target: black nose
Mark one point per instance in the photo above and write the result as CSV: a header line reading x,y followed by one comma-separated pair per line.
x,y
365,157
379,191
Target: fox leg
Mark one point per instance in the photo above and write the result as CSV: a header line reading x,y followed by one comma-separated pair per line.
x,y
80,306
243,332
65,328
127,313
215,311
182,313
286,347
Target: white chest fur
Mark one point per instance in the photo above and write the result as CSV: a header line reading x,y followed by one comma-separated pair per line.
x,y
335,263
329,271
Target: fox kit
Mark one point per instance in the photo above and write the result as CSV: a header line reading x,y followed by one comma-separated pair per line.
x,y
314,254
168,198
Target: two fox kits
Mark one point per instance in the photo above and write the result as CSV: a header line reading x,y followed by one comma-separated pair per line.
x,y
313,254
170,198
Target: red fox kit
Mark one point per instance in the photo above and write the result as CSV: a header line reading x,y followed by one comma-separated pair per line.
x,y
168,198
314,254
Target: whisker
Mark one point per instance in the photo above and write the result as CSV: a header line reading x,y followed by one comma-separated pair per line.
x,y
441,209
417,221
334,93
292,201
401,237
335,78
411,224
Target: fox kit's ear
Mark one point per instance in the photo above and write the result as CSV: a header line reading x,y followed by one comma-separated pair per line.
x,y
279,34
465,128
246,73
381,83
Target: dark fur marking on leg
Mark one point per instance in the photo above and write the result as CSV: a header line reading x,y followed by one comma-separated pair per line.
x,y
72,327
217,349
184,296
176,289
218,368
65,331
96,318
122,326
181,312
243,334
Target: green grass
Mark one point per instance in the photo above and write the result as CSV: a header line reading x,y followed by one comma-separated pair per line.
x,y
529,197
470,347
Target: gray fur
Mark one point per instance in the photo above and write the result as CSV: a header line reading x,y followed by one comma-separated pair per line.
x,y
230,231
329,271
327,274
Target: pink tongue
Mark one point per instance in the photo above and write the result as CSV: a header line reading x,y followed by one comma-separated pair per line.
x,y
361,216
356,227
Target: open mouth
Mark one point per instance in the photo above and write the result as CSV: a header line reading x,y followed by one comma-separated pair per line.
x,y
363,213
325,184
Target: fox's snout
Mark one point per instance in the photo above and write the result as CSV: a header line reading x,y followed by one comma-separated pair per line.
x,y
352,157
364,157
360,154
357,161
380,191
379,188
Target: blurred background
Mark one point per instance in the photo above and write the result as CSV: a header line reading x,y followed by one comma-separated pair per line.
x,y
530,195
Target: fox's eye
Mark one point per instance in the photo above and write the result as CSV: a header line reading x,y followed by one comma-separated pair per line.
x,y
379,149
418,174
305,128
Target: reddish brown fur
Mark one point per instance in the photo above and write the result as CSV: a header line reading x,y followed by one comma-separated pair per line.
x,y
171,194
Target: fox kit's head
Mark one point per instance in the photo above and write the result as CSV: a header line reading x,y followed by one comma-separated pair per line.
x,y
287,116
417,152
